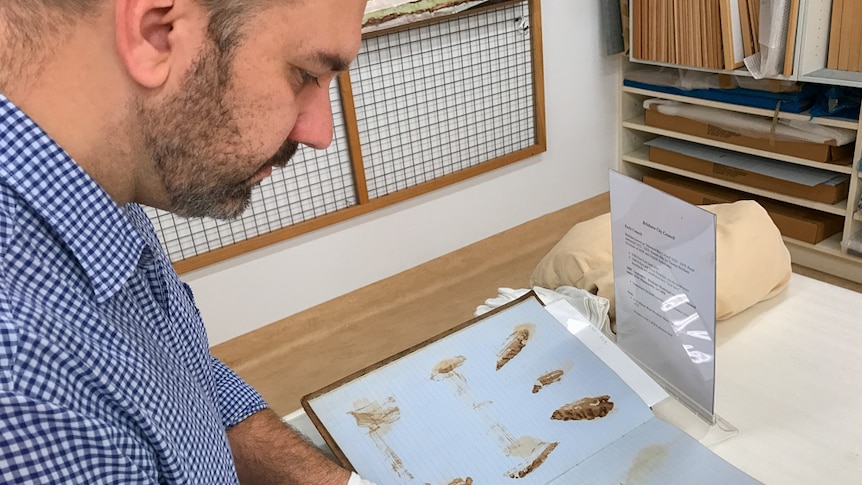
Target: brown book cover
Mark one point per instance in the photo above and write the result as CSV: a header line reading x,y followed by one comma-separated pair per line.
x,y
835,34
636,41
790,46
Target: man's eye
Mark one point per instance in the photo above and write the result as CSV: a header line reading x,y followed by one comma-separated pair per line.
x,y
308,79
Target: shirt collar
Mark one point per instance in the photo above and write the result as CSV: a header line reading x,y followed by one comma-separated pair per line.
x,y
81,213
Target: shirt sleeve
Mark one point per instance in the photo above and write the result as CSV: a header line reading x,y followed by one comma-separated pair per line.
x,y
235,398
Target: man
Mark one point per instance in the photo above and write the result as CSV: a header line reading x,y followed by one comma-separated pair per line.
x,y
184,105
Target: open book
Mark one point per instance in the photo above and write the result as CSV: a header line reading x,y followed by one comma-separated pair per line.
x,y
511,396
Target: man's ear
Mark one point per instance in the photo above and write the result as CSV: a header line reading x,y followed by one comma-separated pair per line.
x,y
144,40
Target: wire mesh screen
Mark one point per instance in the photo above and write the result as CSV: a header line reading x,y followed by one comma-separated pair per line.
x,y
436,99
430,101
313,184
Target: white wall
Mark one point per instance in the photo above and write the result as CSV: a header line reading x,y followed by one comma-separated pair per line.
x,y
582,97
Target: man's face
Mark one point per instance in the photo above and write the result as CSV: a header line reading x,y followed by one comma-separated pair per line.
x,y
238,114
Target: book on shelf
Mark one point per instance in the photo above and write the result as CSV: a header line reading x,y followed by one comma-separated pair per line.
x,y
845,36
721,34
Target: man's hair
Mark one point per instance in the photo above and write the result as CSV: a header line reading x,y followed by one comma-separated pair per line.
x,y
31,25
28,19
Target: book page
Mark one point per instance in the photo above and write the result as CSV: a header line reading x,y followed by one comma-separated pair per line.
x,y
513,396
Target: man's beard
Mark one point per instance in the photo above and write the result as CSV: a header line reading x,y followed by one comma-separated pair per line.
x,y
194,143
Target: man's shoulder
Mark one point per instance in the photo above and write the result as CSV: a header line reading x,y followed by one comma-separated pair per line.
x,y
31,260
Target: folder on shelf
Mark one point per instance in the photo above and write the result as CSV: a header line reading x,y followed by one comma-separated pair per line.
x,y
727,127
747,40
846,32
754,17
790,47
750,170
835,34
797,174
731,34
636,30
800,223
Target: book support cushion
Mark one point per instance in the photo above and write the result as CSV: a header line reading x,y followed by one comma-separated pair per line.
x,y
752,262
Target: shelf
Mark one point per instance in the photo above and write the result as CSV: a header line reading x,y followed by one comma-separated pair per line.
x,y
637,123
742,71
641,157
824,257
810,61
825,121
831,246
816,16
834,76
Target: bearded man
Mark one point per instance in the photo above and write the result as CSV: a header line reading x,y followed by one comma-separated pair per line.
x,y
183,105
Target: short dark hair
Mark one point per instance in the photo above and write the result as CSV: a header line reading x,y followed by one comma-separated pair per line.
x,y
28,18
32,24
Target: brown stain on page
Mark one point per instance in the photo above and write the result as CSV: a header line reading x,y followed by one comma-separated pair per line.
x,y
462,481
587,408
547,379
541,454
379,419
645,463
447,370
514,344
448,365
532,450
458,481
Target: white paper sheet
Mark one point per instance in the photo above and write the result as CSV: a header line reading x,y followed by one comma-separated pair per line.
x,y
664,282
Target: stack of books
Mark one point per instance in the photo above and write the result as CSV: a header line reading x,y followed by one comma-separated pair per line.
x,y
714,34
845,36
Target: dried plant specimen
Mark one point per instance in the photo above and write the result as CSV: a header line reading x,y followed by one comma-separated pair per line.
x,y
458,481
462,481
447,370
448,365
547,379
376,418
586,408
379,420
533,450
514,344
540,458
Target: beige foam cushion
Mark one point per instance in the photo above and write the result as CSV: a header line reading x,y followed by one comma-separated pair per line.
x,y
753,263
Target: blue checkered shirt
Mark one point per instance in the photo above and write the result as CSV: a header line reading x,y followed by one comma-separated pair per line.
x,y
105,370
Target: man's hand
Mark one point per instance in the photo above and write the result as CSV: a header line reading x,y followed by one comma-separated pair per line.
x,y
267,451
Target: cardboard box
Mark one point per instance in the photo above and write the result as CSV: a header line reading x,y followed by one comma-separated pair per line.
x,y
730,81
795,222
828,194
819,152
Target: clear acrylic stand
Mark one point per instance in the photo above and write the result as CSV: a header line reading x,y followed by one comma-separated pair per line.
x,y
708,432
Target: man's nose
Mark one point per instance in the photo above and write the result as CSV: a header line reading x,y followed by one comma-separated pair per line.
x,y
314,124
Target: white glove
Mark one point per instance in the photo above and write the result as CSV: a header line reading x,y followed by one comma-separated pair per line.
x,y
357,480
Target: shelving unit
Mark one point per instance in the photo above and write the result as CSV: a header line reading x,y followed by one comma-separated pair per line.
x,y
810,58
829,255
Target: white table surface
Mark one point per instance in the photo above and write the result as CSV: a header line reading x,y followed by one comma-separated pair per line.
x,y
789,378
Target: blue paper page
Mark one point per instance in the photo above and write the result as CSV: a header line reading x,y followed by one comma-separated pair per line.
x,y
447,412
511,398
